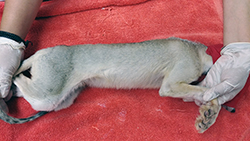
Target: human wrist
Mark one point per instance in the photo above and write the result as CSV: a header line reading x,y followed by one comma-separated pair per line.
x,y
235,47
14,40
12,43
240,53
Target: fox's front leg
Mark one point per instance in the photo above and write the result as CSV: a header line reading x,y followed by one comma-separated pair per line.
x,y
177,83
208,114
181,90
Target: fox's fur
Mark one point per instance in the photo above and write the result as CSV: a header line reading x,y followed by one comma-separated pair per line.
x,y
59,73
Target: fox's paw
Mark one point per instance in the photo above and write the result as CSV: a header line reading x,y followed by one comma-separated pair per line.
x,y
208,114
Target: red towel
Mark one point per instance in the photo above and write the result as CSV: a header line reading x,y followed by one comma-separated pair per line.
x,y
109,114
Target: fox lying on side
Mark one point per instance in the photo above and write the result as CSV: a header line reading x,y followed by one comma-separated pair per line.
x,y
58,74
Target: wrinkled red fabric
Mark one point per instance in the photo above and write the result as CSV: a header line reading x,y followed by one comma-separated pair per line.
x,y
141,114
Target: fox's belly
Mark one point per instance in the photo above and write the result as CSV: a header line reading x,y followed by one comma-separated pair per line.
x,y
126,82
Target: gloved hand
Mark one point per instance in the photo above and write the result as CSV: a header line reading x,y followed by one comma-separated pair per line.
x,y
11,54
229,74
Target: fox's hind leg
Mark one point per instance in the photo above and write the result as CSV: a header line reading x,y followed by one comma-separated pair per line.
x,y
32,94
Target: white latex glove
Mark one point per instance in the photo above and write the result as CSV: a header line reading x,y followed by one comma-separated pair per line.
x,y
11,53
229,74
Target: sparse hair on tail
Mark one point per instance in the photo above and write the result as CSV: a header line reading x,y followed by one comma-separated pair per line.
x,y
11,120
